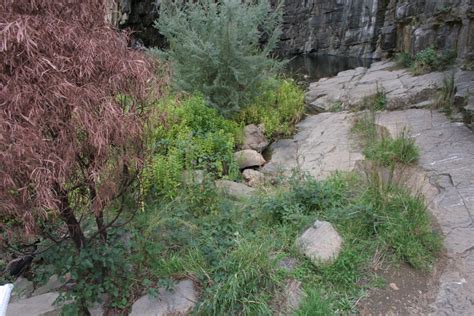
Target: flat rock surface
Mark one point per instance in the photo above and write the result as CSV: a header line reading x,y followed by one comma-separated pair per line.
x,y
402,89
322,145
35,306
179,301
447,157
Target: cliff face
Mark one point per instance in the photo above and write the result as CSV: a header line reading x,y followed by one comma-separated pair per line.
x,y
375,28
366,28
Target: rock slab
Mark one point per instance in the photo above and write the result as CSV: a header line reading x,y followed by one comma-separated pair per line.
x,y
322,146
321,243
179,301
40,305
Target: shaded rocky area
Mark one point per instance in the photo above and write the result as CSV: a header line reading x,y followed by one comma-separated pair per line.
x,y
376,28
363,28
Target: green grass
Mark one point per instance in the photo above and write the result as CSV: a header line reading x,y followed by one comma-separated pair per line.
x,y
234,251
445,99
391,151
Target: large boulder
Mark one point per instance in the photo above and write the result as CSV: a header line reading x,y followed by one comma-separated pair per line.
x,y
254,138
321,243
253,178
248,158
179,301
234,189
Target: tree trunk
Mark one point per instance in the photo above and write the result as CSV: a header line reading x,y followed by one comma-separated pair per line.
x,y
67,214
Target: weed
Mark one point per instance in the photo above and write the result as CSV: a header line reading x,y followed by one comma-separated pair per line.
x,y
445,98
389,152
336,106
278,109
315,304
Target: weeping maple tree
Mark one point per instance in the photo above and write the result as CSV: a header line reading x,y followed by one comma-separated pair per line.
x,y
71,116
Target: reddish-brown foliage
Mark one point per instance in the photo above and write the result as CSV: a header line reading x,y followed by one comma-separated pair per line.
x,y
67,143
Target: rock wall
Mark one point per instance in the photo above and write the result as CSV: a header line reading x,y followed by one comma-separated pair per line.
x,y
364,28
376,28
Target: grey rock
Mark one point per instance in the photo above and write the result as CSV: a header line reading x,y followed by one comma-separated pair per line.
x,y
351,88
54,283
23,288
322,146
253,178
321,243
234,189
249,158
179,301
254,138
40,305
287,264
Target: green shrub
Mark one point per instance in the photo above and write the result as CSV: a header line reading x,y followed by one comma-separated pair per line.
x,y
216,48
277,108
194,137
426,60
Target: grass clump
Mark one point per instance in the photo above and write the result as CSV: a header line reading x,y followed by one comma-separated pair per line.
x,y
380,147
390,151
445,99
279,107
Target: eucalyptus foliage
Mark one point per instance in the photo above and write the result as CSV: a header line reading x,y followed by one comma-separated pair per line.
x,y
221,49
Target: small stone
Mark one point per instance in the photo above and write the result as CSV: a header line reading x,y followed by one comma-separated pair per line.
x,y
179,301
321,243
393,286
234,189
287,264
254,138
249,158
253,178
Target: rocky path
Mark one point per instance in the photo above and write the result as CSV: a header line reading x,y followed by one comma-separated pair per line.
x,y
324,143
447,157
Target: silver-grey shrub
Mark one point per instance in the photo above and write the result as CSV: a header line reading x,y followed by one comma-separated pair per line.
x,y
222,50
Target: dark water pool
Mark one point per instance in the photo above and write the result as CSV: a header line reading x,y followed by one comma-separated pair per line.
x,y
310,68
